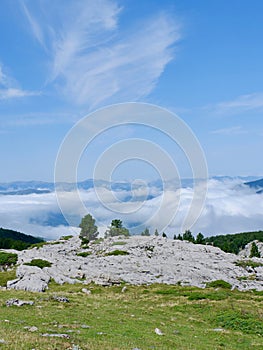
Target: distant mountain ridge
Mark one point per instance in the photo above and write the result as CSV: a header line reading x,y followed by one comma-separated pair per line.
x,y
41,187
257,185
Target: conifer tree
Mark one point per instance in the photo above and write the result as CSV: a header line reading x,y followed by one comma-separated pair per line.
x,y
146,232
89,231
200,239
254,252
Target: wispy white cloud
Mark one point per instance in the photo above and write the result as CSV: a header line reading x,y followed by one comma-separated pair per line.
x,y
9,89
240,104
94,60
234,130
36,119
9,93
34,25
3,77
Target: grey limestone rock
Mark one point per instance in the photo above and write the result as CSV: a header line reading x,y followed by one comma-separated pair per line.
x,y
57,335
150,260
18,302
61,299
30,278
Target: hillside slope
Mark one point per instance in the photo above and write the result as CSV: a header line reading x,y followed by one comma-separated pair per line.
x,y
10,239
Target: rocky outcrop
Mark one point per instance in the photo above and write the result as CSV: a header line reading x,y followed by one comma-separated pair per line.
x,y
147,260
245,253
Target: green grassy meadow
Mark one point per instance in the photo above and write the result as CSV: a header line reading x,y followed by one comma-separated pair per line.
x,y
189,318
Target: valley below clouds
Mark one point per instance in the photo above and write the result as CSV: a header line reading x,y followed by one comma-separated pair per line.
x,y
230,206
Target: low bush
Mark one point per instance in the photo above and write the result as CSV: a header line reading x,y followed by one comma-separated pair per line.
x,y
39,263
84,254
219,284
117,252
8,259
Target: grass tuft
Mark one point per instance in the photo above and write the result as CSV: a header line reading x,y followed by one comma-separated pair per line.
x,y
117,252
6,276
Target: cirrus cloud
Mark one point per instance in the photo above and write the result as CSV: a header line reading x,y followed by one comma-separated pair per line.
x,y
92,58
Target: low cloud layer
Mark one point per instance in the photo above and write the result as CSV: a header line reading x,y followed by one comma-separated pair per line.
x,y
230,207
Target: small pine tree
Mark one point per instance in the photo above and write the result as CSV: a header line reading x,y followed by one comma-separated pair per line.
x,y
254,252
180,237
156,233
200,239
116,229
116,223
146,232
187,236
175,236
89,231
164,235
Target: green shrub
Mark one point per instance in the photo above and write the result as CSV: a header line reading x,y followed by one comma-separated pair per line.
x,y
219,284
84,254
8,259
117,252
39,263
119,243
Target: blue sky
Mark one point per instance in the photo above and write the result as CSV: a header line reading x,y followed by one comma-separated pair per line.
x,y
60,60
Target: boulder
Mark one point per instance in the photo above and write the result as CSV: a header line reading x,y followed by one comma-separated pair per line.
x,y
30,278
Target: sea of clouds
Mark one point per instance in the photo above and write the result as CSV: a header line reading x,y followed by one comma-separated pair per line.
x,y
230,207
